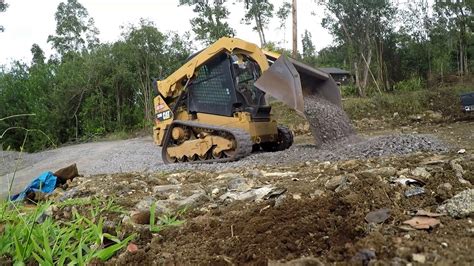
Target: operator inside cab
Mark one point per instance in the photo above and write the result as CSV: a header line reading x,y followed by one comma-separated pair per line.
x,y
246,73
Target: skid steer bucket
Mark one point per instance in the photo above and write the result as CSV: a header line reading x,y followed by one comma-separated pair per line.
x,y
289,81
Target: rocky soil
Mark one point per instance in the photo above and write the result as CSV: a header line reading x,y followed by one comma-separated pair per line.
x,y
350,211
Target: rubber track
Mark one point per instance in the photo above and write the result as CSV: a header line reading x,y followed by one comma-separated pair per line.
x,y
244,144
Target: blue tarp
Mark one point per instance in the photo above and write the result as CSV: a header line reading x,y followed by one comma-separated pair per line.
x,y
45,183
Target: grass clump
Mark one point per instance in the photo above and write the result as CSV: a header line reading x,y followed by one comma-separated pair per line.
x,y
156,225
32,235
445,100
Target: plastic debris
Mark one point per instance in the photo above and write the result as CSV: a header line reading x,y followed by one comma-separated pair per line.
x,y
45,183
378,216
462,151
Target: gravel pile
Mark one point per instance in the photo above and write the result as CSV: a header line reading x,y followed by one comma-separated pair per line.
x,y
329,123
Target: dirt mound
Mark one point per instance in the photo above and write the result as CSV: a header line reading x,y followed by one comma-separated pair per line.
x,y
321,227
328,122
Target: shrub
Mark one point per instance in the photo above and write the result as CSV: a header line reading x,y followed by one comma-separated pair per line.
x,y
413,84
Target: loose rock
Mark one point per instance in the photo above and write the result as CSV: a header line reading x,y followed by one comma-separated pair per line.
x,y
335,182
419,258
378,216
421,172
460,206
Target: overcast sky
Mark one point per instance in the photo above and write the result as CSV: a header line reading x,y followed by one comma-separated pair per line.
x,y
28,21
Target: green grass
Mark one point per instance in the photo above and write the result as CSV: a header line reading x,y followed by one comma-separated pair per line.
x,y
29,234
164,221
444,100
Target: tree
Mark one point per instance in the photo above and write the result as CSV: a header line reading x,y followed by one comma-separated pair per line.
x,y
282,14
332,56
75,31
456,18
308,47
38,55
88,93
150,52
260,12
363,26
210,24
3,8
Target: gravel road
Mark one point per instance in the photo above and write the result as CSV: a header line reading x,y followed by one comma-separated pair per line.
x,y
140,154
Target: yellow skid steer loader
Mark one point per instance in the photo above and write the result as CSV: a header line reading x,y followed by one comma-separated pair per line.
x,y
213,108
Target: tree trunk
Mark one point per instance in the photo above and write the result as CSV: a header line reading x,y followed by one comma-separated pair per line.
x,y
466,64
295,29
460,59
259,30
357,80
366,69
117,103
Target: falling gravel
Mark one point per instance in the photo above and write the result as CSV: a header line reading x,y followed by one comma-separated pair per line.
x,y
328,122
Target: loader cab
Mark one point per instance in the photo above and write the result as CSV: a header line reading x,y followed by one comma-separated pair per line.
x,y
224,86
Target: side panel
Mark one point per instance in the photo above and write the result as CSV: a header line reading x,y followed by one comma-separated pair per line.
x,y
163,118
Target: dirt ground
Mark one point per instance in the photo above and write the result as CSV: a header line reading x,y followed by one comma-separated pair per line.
x,y
309,209
317,217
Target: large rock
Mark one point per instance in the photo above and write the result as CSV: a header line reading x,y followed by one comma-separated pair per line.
x,y
254,194
459,206
195,200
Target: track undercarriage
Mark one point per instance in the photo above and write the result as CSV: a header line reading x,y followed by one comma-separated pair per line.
x,y
188,141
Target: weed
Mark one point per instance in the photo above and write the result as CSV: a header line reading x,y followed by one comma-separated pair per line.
x,y
164,221
27,236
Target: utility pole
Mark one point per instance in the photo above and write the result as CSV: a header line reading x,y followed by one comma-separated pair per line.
x,y
295,29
